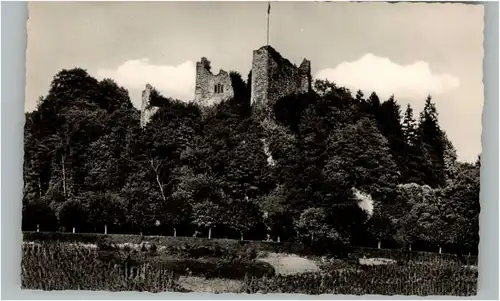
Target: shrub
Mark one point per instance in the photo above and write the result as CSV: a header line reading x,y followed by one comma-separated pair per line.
x,y
248,253
105,244
239,269
188,267
203,251
127,248
61,237
260,269
153,248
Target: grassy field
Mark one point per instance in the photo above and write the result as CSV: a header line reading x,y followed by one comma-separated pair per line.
x,y
236,268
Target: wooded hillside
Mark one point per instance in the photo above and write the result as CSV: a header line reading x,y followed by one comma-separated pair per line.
x,y
343,169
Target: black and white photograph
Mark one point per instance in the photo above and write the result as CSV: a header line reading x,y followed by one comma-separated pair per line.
x,y
253,147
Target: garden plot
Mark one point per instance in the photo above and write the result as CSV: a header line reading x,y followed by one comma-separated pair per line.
x,y
376,261
290,264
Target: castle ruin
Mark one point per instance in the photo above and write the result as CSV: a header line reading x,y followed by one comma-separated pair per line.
x,y
211,88
273,77
147,109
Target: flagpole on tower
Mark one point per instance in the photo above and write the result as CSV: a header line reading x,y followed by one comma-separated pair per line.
x,y
268,13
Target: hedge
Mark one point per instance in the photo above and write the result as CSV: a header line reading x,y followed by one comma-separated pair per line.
x,y
406,255
167,241
195,247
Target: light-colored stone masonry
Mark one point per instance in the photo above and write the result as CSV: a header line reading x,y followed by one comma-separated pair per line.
x,y
147,110
211,88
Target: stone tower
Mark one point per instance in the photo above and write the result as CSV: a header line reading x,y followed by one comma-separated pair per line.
x,y
274,77
147,109
211,88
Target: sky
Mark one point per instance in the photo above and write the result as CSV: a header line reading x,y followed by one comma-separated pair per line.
x,y
410,50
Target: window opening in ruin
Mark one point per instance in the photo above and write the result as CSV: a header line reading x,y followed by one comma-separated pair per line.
x,y
219,88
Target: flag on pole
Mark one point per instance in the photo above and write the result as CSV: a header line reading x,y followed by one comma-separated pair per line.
x,y
268,13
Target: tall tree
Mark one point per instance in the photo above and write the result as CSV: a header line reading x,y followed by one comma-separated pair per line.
x,y
430,140
449,158
409,126
422,221
276,213
460,208
104,210
241,100
360,96
312,227
72,214
412,154
389,120
373,102
360,158
243,215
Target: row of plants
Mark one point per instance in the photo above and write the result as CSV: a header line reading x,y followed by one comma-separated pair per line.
x,y
52,266
421,280
39,257
59,266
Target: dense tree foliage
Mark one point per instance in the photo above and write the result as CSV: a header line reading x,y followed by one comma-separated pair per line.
x,y
325,167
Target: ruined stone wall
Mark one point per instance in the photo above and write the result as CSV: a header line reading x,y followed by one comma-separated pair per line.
x,y
274,77
260,83
147,109
206,92
304,77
